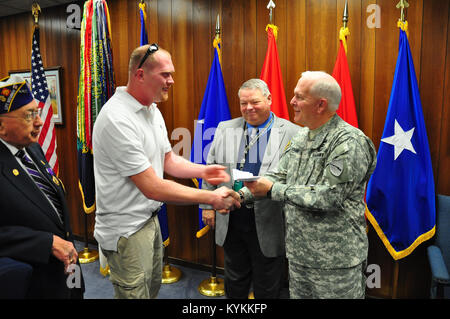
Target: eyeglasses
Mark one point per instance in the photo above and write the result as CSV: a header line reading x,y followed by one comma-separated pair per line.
x,y
29,116
151,49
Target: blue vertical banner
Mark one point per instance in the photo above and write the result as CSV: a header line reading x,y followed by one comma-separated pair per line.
x,y
214,110
143,16
400,194
162,214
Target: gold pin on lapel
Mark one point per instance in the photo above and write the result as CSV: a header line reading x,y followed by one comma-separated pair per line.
x,y
55,180
43,163
15,172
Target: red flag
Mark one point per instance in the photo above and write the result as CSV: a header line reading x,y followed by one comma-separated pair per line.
x,y
341,73
271,74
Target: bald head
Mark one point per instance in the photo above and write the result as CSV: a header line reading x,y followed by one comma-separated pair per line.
x,y
323,85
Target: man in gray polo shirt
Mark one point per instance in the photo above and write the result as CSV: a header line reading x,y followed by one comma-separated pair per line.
x,y
131,154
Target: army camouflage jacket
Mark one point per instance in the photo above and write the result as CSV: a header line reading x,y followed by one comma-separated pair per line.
x,y
321,180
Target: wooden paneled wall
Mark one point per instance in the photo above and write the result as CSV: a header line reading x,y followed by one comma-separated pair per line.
x,y
307,40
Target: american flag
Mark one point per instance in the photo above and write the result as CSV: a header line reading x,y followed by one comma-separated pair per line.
x,y
47,138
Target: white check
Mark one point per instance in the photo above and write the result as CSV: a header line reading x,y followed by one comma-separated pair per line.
x,y
241,176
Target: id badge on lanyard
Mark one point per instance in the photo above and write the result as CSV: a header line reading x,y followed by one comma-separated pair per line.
x,y
239,184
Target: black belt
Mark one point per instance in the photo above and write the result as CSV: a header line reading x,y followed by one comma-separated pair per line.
x,y
156,212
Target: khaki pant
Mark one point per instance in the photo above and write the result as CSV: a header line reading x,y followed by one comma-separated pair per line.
x,y
136,267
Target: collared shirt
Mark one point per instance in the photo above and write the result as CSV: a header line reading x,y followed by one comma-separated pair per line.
x,y
13,151
262,126
128,138
243,219
255,154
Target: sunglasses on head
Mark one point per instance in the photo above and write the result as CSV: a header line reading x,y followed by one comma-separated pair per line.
x,y
151,49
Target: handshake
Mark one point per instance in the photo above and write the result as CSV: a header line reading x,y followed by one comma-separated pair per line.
x,y
226,199
229,200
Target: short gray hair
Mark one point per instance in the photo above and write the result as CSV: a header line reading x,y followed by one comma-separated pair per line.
x,y
254,84
325,86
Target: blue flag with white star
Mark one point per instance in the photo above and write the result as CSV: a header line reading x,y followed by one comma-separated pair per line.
x,y
400,194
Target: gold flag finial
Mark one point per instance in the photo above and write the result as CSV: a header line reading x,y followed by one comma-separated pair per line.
x,y
217,43
270,6
35,10
217,26
345,15
402,5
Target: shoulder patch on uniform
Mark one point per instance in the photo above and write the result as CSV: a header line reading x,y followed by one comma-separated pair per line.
x,y
336,167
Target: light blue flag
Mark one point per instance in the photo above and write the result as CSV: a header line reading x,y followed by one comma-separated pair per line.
x,y
400,194
214,110
162,214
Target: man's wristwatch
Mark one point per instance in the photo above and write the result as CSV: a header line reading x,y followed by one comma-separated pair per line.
x,y
269,193
241,195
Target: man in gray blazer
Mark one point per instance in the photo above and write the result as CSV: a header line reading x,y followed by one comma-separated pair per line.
x,y
252,237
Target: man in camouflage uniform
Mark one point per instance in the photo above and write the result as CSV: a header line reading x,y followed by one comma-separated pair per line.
x,y
321,180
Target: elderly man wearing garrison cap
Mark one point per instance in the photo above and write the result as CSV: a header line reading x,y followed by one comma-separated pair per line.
x,y
34,217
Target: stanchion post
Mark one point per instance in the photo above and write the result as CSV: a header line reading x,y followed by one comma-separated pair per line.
x,y
170,274
87,256
213,286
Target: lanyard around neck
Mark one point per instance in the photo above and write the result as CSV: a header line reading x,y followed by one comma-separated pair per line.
x,y
249,144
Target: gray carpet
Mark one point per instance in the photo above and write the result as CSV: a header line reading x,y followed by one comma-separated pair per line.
x,y
99,287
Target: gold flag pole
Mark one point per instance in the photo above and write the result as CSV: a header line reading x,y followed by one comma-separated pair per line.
x,y
402,5
35,10
213,286
170,274
402,23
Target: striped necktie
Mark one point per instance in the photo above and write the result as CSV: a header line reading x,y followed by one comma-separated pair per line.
x,y
41,181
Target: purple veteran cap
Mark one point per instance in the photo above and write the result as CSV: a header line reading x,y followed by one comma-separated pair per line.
x,y
14,93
